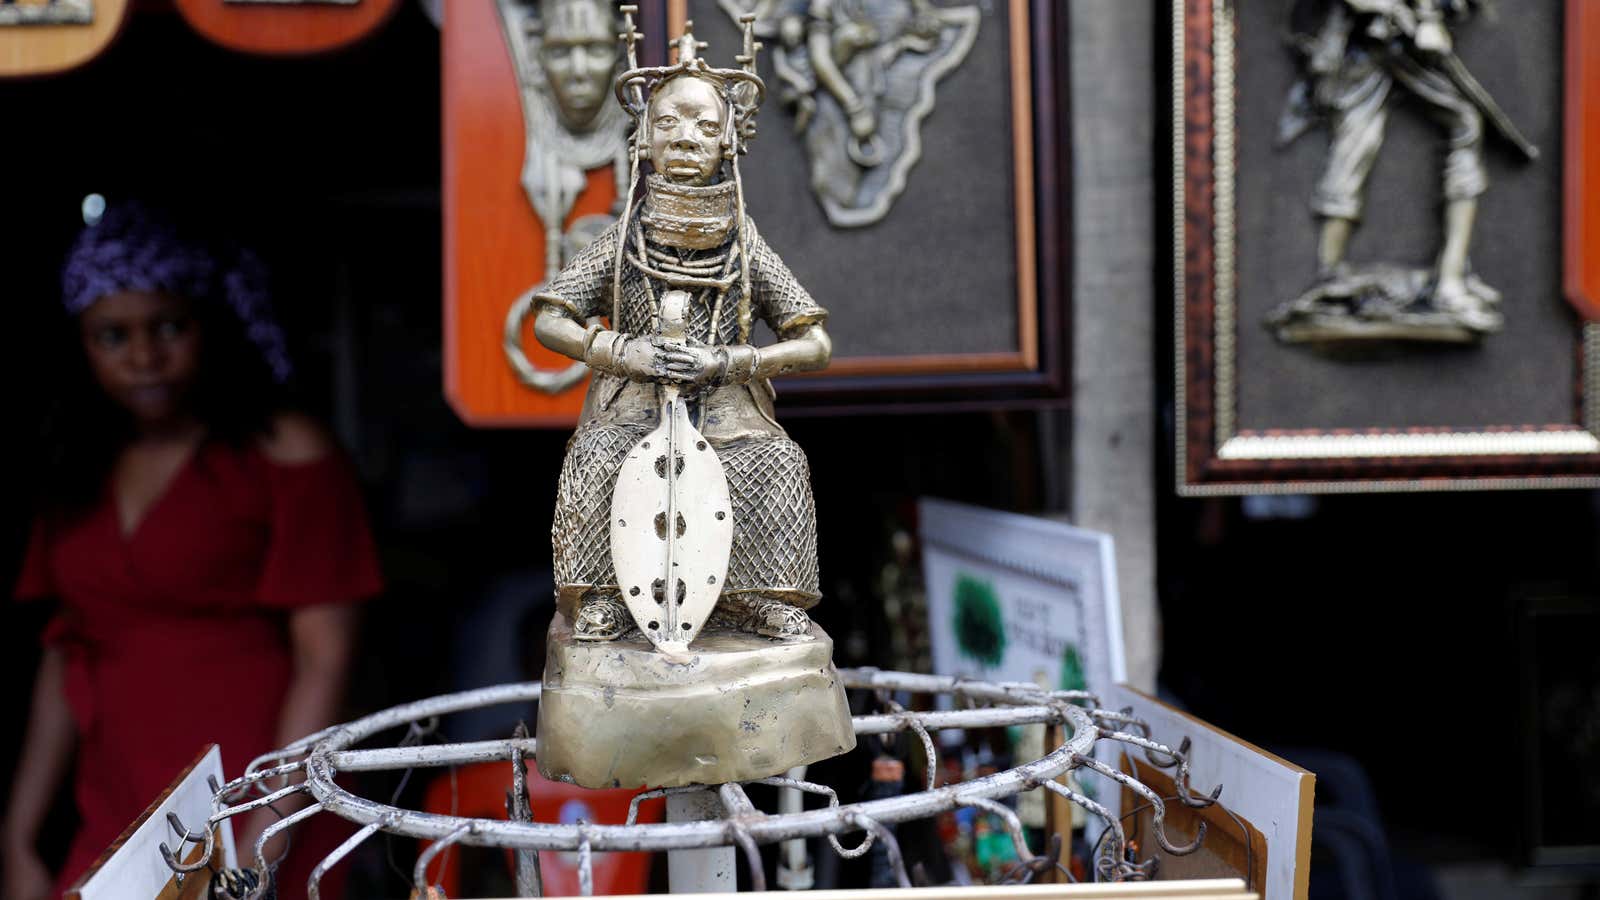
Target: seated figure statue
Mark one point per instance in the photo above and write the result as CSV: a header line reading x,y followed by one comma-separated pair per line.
x,y
687,233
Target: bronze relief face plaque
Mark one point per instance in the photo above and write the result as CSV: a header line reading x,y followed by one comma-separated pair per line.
x,y
1379,239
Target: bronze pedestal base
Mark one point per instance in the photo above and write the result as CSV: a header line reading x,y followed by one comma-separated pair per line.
x,y
736,707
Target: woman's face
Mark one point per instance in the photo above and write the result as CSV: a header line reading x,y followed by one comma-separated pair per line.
x,y
144,350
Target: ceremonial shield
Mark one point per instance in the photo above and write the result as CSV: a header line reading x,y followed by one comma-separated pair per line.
x,y
671,519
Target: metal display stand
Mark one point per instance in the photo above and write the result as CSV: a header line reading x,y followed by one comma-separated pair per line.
x,y
710,826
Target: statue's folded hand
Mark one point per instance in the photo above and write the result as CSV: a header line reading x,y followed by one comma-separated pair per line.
x,y
690,364
641,359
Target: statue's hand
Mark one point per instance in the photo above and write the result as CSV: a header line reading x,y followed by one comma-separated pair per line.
x,y
690,364
642,359
1433,37
863,123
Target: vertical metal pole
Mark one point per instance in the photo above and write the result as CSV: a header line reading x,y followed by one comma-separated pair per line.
x,y
713,870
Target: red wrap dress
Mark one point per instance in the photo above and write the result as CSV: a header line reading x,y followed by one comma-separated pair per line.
x,y
175,635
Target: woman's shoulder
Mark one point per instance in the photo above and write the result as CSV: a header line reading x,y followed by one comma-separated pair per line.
x,y
294,438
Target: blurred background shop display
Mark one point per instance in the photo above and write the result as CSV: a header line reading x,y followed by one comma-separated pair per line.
x,y
1437,648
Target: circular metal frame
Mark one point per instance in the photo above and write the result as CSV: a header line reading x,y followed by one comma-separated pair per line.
x,y
308,767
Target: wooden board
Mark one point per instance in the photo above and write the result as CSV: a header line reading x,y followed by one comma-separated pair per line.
x,y
1232,846
49,49
1272,795
1214,889
132,866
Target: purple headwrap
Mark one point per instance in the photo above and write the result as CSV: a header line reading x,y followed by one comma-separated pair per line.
x,y
132,248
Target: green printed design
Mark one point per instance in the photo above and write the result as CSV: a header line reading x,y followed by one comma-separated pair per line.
x,y
1072,671
979,625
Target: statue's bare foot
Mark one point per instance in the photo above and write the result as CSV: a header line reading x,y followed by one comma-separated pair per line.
x,y
1452,296
602,619
777,619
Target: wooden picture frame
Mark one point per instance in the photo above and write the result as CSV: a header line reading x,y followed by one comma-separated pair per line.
x,y
1214,454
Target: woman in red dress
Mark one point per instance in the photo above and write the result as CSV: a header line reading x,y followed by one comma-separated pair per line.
x,y
205,545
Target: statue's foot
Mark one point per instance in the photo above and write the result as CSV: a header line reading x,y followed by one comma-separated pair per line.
x,y
602,619
1452,296
785,621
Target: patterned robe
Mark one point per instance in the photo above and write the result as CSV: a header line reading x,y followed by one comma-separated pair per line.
x,y
774,550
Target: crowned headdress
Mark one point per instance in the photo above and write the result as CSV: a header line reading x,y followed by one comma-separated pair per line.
x,y
742,90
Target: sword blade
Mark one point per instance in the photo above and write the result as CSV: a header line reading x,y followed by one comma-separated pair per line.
x,y
1479,96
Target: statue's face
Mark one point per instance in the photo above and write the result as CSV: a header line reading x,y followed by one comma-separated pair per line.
x,y
687,115
578,53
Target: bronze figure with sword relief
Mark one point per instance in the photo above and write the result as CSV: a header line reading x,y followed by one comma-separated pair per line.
x,y
1359,58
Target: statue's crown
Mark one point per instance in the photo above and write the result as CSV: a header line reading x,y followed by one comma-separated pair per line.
x,y
741,87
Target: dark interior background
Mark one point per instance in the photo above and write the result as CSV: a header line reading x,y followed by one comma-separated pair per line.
x,y
1381,626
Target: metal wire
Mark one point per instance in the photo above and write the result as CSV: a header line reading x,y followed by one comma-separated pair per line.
x,y
419,872
984,705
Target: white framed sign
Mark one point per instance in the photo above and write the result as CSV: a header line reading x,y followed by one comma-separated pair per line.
x,y
1020,598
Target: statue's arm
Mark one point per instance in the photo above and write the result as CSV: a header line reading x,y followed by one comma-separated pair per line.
x,y
556,329
601,349
576,296
819,45
807,349
804,348
784,304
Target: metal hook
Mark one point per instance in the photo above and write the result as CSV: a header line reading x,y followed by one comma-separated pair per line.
x,y
254,778
419,872
314,883
752,856
1113,827
1088,697
884,833
822,790
1126,717
263,869
257,803
205,838
1012,822
585,862
530,881
657,794
1158,808
1185,791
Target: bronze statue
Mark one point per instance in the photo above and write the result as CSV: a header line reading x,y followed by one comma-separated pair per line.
x,y
860,76
688,235
1359,57
685,532
566,58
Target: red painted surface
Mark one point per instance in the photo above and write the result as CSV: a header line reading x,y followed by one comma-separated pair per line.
x,y
480,790
285,30
1582,232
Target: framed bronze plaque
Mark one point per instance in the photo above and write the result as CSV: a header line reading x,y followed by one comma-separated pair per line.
x,y
912,172
1385,232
